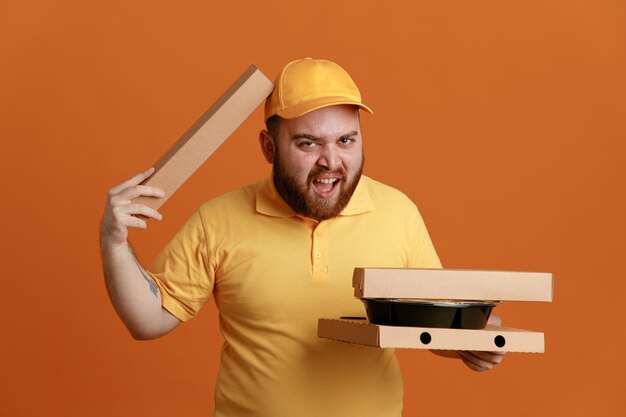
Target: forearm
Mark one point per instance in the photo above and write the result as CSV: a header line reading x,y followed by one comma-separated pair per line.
x,y
134,294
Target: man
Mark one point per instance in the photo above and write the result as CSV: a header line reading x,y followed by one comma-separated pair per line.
x,y
278,254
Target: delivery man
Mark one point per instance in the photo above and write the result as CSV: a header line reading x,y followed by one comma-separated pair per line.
x,y
277,255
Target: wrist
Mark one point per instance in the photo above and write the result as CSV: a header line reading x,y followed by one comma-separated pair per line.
x,y
108,245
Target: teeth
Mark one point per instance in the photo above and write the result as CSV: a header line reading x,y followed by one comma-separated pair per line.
x,y
327,180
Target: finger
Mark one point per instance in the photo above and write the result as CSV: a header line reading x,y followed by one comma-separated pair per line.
x,y
137,179
493,357
474,362
494,320
135,191
136,222
473,366
470,362
140,209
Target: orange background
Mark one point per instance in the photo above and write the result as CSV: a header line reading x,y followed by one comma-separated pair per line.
x,y
503,121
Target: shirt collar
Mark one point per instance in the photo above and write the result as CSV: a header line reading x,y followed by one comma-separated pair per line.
x,y
269,201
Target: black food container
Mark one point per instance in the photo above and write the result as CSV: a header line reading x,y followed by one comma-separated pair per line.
x,y
422,313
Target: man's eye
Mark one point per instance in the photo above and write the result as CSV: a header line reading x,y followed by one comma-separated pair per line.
x,y
345,141
307,144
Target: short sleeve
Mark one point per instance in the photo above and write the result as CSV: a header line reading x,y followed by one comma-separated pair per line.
x,y
422,253
183,271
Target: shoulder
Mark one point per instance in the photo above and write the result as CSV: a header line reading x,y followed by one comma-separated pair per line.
x,y
231,203
385,195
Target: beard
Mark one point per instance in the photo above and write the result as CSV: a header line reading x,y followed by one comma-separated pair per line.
x,y
303,200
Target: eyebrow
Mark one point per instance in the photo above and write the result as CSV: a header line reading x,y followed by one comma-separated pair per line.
x,y
304,136
313,137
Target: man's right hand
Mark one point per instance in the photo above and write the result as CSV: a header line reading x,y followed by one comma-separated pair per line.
x,y
134,294
120,211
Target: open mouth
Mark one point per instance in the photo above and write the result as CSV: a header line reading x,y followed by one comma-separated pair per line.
x,y
325,187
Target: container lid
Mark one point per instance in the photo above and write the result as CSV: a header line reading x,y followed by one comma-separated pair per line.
x,y
437,303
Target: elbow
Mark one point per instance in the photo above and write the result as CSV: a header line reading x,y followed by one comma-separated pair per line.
x,y
143,333
139,335
152,328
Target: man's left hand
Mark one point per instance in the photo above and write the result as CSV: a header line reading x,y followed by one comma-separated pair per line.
x,y
482,361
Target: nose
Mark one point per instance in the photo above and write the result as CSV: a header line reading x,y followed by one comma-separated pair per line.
x,y
329,158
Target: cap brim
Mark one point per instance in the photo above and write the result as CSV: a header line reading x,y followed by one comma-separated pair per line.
x,y
312,105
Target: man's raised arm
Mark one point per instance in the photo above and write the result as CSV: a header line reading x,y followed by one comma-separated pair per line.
x,y
133,292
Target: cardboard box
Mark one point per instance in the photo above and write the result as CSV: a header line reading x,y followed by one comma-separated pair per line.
x,y
452,284
442,284
207,134
491,338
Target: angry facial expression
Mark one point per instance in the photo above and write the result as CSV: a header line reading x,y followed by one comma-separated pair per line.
x,y
318,160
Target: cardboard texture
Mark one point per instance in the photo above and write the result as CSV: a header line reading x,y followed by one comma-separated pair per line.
x,y
442,284
491,338
451,284
207,134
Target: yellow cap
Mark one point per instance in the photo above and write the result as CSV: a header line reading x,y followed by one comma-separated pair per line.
x,y
309,84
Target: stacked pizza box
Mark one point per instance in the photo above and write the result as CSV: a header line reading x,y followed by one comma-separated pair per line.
x,y
439,309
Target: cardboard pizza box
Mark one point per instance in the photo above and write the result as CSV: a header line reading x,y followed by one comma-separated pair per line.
x,y
452,284
491,338
207,134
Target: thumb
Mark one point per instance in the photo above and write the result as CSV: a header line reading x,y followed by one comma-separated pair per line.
x,y
495,320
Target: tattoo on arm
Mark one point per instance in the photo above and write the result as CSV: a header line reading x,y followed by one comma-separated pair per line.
x,y
153,287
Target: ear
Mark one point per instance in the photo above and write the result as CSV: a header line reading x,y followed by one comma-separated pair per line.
x,y
267,146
